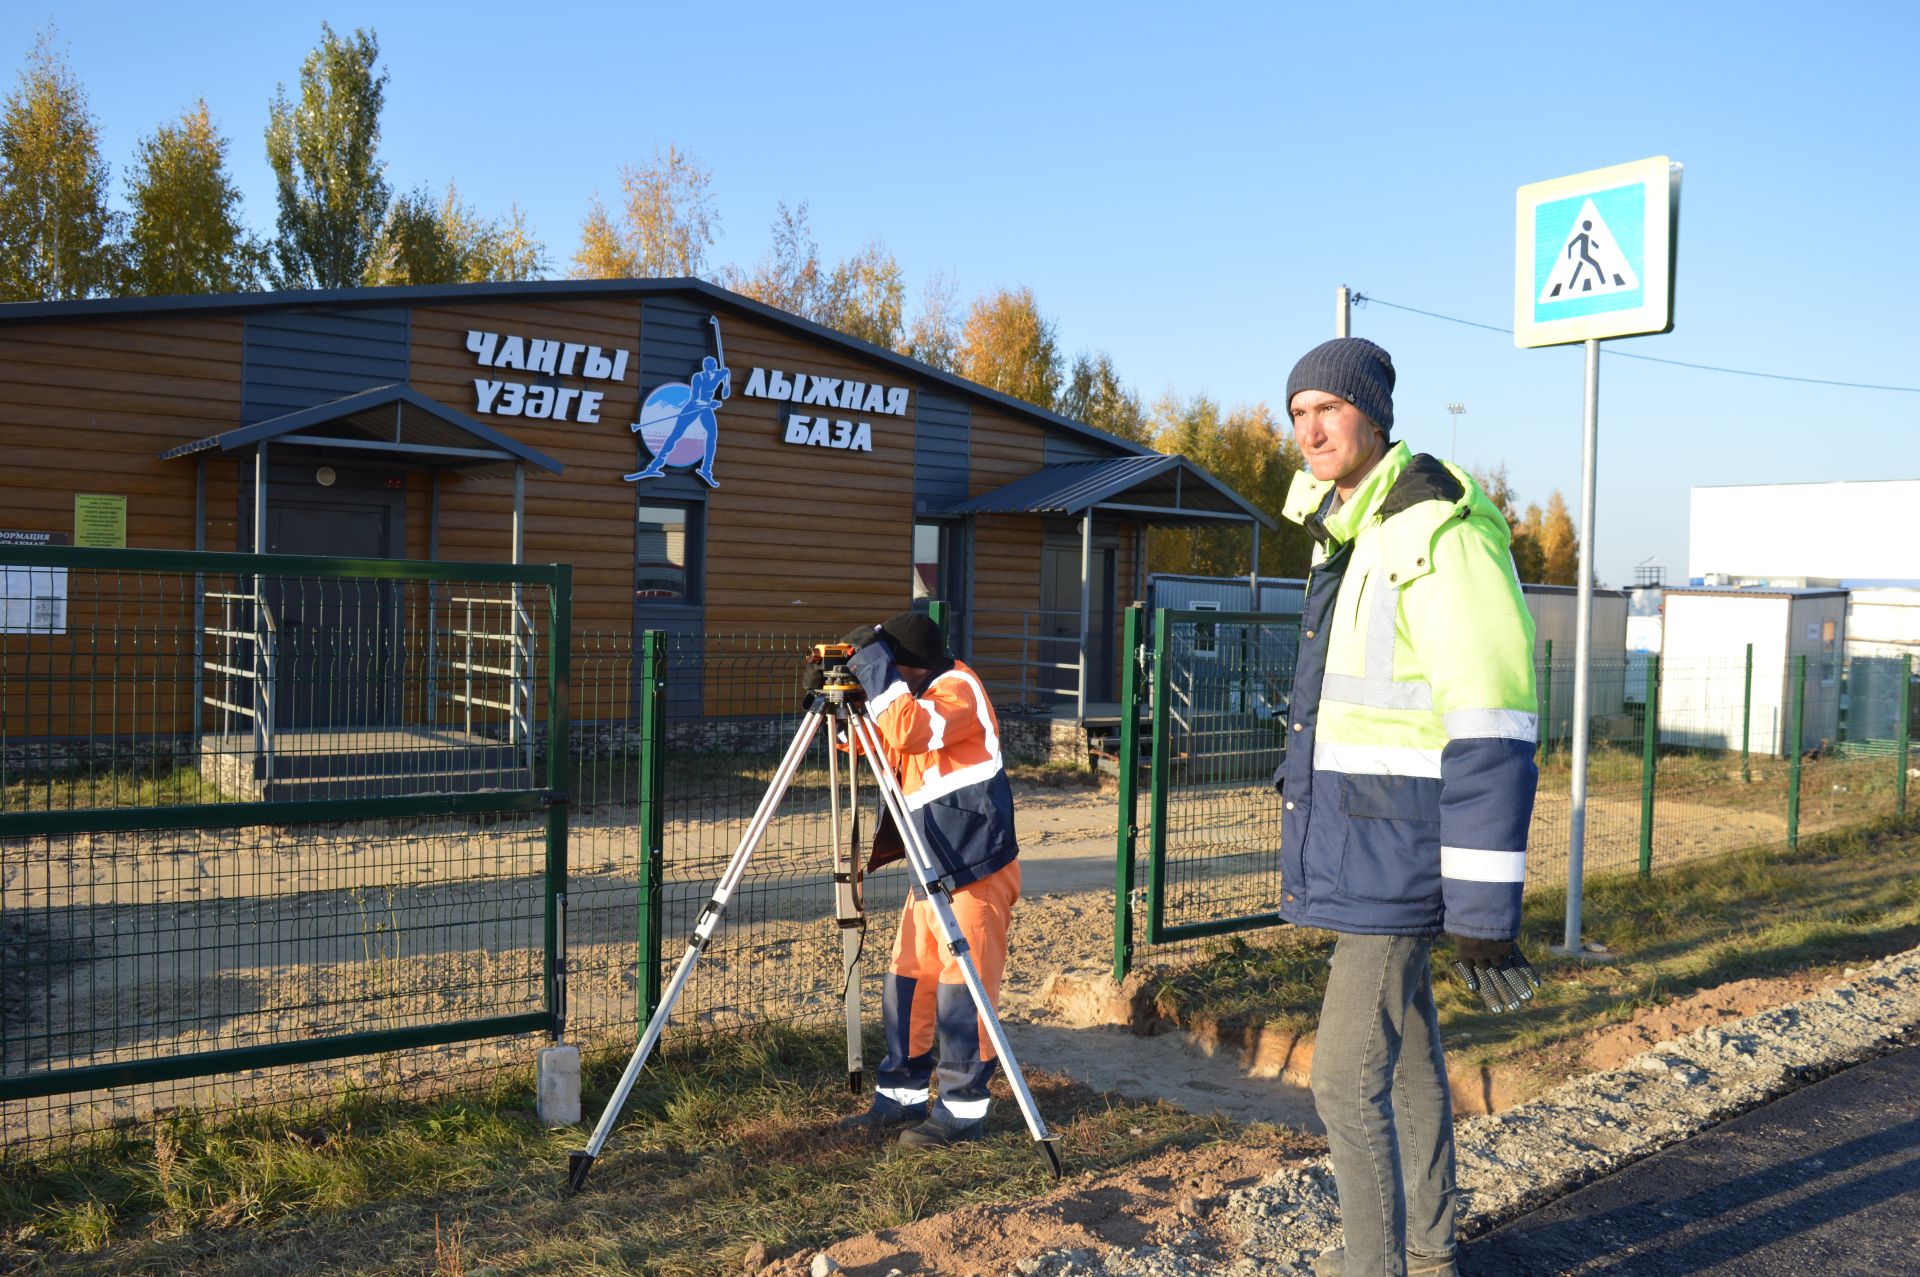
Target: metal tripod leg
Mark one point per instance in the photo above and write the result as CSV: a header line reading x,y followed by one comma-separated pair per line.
x,y
580,1161
867,736
848,910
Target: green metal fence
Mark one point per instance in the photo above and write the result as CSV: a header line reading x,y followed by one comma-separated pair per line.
x,y
266,821
1218,684
678,741
262,811
1687,758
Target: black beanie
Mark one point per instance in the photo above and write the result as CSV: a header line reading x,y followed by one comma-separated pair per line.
x,y
1353,368
915,640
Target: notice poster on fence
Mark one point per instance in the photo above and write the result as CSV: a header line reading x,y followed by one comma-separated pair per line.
x,y
33,600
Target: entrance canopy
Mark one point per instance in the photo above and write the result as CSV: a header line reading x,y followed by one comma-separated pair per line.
x,y
1151,489
1154,489
391,422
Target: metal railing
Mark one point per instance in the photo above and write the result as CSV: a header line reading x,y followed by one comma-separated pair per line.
x,y
1031,659
259,675
482,650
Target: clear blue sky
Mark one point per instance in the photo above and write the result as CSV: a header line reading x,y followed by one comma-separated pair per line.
x,y
1185,186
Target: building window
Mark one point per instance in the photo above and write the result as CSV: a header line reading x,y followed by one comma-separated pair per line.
x,y
666,545
1205,641
929,555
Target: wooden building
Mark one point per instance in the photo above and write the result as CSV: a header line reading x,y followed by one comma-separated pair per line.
x,y
501,422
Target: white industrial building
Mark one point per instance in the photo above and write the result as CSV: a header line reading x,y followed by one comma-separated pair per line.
x,y
1857,533
1703,669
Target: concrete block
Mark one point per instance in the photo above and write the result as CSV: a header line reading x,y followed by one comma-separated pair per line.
x,y
559,1086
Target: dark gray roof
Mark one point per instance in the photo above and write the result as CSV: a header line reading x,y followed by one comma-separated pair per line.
x,y
1760,591
395,420
427,294
1159,487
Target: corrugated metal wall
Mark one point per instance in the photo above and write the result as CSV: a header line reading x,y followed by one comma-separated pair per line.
x,y
298,358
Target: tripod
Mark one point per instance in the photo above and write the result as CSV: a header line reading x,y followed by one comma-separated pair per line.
x,y
841,701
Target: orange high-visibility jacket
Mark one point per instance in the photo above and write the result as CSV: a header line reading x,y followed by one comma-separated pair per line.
x,y
944,745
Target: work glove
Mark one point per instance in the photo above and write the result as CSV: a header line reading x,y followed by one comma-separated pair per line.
x,y
1494,969
813,677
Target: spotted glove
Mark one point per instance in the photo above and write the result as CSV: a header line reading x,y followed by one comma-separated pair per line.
x,y
1496,970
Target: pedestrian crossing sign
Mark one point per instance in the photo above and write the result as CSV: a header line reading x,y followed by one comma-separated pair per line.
x,y
1594,254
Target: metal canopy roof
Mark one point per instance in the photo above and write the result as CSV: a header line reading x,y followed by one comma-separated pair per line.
x,y
391,421
1158,487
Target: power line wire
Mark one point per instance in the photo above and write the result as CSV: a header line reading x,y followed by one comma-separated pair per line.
x,y
1362,299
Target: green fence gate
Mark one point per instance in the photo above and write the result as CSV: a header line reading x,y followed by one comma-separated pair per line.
x,y
263,810
1217,686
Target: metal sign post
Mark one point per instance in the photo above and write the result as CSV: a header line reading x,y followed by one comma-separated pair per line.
x,y
1593,258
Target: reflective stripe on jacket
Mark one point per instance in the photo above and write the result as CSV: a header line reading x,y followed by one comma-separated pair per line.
x,y
1409,778
944,745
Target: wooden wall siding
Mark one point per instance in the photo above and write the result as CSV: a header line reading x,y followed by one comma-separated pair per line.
x,y
583,516
804,540
298,358
941,433
89,407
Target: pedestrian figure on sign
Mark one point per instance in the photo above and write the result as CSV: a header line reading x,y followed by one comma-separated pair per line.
x,y
1583,242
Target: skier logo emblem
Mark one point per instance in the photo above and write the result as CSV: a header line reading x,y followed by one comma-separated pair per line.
x,y
678,422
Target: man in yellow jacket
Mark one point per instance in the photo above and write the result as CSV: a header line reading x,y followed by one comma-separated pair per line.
x,y
1407,791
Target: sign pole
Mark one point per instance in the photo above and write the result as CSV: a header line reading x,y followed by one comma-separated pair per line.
x,y
1593,259
1583,653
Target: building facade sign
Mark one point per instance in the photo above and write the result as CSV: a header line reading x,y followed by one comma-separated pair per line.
x,y
821,430
678,420
505,397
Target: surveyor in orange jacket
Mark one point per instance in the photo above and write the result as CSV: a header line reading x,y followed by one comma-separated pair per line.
x,y
943,742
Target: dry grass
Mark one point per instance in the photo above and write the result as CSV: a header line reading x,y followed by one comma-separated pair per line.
x,y
1838,900
727,1143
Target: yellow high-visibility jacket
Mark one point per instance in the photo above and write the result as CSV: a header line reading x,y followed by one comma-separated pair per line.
x,y
1409,778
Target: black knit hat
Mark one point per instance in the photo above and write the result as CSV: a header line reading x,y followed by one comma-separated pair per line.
x,y
915,640
1353,368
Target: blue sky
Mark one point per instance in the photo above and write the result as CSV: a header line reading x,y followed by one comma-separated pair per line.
x,y
1185,186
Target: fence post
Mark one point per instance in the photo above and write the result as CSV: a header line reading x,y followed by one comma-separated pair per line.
x,y
1157,800
1129,804
1546,702
559,782
652,867
1906,733
1793,753
1649,763
1746,719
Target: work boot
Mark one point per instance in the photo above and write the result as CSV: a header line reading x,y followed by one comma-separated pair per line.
x,y
1333,1263
940,1131
885,1112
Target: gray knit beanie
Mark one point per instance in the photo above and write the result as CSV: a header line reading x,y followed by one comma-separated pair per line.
x,y
1353,368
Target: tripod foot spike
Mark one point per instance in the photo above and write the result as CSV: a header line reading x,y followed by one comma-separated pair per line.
x,y
579,1162
1049,1147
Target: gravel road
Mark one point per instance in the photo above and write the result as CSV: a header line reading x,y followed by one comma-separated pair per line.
x,y
1542,1150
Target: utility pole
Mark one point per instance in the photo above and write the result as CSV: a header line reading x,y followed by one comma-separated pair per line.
x,y
1455,409
1343,312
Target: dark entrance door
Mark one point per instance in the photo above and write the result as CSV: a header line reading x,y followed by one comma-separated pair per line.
x,y
335,657
1060,620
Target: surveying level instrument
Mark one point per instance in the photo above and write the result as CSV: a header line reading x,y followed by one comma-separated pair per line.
x,y
843,702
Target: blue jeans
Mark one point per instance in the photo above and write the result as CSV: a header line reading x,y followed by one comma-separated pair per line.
x,y
1380,1086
